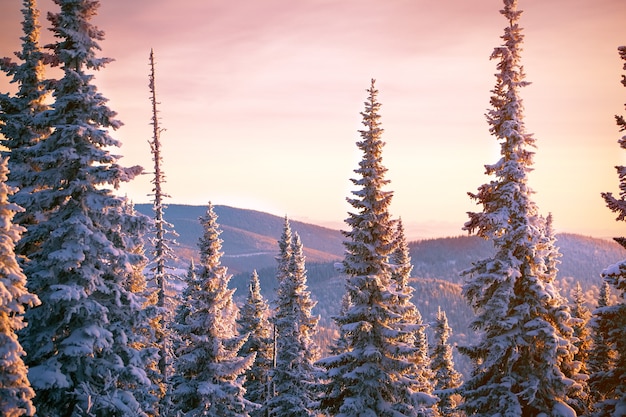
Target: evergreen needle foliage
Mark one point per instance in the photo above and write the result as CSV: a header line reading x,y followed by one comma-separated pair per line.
x,y
79,260
254,324
16,393
375,371
524,352
209,373
294,373
611,384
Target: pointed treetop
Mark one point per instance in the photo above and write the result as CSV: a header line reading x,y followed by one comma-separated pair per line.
x,y
284,251
70,25
210,244
510,11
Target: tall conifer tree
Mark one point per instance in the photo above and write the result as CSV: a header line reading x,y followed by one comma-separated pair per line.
x,y
80,358
373,375
612,383
523,326
208,378
16,393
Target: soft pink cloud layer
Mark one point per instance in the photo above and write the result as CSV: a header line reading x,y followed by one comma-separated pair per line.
x,y
261,101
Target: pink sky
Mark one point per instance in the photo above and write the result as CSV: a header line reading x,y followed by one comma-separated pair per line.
x,y
261,101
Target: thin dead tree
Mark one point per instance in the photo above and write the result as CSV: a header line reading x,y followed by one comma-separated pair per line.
x,y
163,254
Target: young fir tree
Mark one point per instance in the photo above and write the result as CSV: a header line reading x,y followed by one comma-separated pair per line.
x,y
208,378
16,393
612,383
524,332
582,342
582,333
446,378
192,286
144,335
77,341
571,367
180,342
411,318
19,113
293,377
601,356
374,374
255,324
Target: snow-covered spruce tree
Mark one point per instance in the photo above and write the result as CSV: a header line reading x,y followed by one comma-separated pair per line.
x,y
208,373
293,377
147,321
602,355
18,114
16,393
618,204
254,322
302,297
577,393
612,383
180,342
411,319
582,342
77,340
447,379
372,376
192,286
582,333
523,327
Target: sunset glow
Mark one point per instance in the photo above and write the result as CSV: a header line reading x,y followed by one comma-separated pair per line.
x,y
261,102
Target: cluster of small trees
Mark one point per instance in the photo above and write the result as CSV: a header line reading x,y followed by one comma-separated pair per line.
x,y
84,331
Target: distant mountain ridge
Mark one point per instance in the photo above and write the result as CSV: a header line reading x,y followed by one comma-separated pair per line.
x,y
251,242
250,237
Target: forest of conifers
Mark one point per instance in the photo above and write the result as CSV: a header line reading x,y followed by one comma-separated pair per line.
x,y
90,326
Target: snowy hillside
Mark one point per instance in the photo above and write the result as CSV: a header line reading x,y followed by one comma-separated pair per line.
x,y
250,237
250,242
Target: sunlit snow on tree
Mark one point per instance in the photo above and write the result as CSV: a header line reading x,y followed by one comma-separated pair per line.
x,y
523,324
79,261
